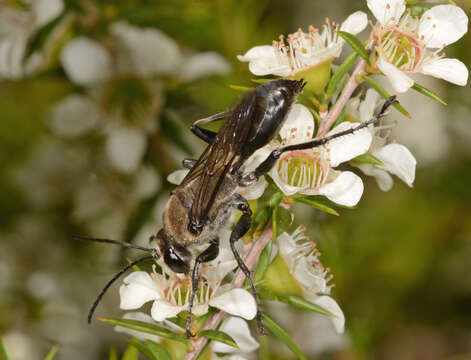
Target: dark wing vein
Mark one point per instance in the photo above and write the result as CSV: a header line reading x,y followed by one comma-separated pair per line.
x,y
218,158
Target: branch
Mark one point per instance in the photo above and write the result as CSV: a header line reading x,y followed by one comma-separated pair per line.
x,y
237,282
349,88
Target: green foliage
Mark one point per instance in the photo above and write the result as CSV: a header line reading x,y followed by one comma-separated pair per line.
x,y
428,93
367,158
339,74
356,45
52,353
220,336
3,353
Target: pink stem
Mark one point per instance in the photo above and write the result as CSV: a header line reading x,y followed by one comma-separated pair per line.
x,y
237,282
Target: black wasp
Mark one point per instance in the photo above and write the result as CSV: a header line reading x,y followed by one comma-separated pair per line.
x,y
201,205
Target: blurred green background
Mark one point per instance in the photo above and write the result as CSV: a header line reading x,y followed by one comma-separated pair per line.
x,y
400,260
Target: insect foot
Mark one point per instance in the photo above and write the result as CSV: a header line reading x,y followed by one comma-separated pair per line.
x,y
247,179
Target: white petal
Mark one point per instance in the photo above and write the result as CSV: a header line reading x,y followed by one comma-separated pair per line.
x,y
284,187
152,52
398,79
125,148
162,310
138,288
346,189
258,52
387,11
46,10
355,23
383,179
177,176
204,64
254,191
451,70
443,25
298,126
240,332
74,116
347,147
85,61
263,61
368,105
398,161
134,333
331,305
237,302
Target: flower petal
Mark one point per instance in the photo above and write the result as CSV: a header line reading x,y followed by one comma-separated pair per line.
x,y
368,105
442,25
451,70
257,52
204,64
331,305
346,189
347,147
237,302
74,116
262,61
387,12
383,179
177,176
85,61
398,79
240,332
355,23
162,310
138,288
134,333
284,187
398,161
254,191
125,147
152,52
46,10
299,125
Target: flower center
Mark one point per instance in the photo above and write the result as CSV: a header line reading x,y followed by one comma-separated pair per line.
x,y
305,169
129,97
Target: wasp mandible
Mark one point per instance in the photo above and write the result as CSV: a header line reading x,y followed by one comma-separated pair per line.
x,y
201,205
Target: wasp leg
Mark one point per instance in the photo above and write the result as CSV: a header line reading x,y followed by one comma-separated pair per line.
x,y
189,163
204,134
269,162
209,254
242,226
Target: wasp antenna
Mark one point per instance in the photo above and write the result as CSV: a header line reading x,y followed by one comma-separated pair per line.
x,y
109,241
109,283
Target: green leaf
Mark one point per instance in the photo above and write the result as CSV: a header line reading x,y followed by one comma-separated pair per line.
x,y
3,352
281,334
428,93
241,88
220,336
368,158
158,351
143,349
356,45
339,74
316,204
384,94
177,321
52,353
282,220
263,262
131,353
304,304
113,354
148,328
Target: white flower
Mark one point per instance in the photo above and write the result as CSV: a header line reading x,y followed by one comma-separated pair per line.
x,y
302,257
311,171
171,292
302,50
238,329
407,45
397,158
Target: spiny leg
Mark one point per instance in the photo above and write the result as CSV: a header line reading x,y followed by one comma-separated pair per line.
x,y
269,162
242,226
209,254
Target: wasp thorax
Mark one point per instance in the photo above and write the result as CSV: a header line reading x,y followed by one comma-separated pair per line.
x,y
306,168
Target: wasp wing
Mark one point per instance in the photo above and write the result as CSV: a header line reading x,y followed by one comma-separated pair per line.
x,y
219,157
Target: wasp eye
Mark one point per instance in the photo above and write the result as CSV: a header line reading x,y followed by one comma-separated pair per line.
x,y
174,262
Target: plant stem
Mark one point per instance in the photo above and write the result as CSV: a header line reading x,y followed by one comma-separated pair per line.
x,y
237,282
349,88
